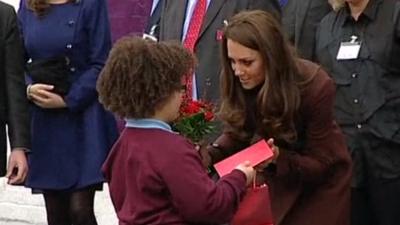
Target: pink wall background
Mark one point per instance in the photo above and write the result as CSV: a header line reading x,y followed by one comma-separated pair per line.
x,y
128,16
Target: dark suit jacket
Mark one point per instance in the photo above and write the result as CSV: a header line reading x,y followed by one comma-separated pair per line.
x,y
153,25
13,102
300,19
207,47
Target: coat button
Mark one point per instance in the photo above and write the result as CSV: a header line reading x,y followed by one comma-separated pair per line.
x,y
71,23
354,75
208,81
72,69
356,101
359,126
69,46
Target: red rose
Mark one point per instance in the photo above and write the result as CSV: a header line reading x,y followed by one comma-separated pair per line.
x,y
192,126
191,107
200,103
208,116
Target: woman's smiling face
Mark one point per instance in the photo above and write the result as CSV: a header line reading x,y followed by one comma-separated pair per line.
x,y
247,64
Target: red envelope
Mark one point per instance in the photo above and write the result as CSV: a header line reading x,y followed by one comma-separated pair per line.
x,y
257,153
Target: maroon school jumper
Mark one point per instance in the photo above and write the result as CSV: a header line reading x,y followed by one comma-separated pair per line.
x,y
156,177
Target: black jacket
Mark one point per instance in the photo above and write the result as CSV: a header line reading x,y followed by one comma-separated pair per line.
x,y
14,111
300,19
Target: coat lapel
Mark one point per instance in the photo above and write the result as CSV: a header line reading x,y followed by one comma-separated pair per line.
x,y
212,11
173,25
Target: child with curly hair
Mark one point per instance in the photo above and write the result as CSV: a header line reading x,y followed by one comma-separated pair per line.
x,y
155,175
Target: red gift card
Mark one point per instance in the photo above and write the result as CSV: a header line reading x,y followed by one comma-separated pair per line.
x,y
257,153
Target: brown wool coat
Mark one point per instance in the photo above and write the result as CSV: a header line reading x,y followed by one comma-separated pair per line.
x,y
311,184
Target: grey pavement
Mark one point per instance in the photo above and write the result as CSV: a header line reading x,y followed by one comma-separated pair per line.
x,y
19,207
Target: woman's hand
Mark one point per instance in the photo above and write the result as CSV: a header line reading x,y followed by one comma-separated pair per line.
x,y
42,96
248,170
260,167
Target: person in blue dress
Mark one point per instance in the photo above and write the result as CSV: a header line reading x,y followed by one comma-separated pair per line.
x,y
71,132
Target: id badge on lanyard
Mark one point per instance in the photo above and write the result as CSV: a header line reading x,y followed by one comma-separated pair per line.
x,y
349,50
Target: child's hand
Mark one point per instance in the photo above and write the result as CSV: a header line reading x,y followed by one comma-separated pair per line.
x,y
248,170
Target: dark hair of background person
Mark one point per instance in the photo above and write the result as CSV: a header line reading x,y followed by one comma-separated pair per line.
x,y
140,75
279,99
41,7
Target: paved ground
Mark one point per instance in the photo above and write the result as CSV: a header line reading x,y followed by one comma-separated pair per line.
x,y
19,207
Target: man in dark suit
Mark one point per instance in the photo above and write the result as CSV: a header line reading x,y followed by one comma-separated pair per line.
x,y
14,110
300,19
175,19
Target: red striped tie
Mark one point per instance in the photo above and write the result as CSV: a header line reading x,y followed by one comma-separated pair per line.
x,y
192,36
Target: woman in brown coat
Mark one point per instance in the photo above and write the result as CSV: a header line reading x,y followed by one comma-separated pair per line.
x,y
269,93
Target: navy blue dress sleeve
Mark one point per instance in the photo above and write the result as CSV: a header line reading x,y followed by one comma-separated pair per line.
x,y
83,90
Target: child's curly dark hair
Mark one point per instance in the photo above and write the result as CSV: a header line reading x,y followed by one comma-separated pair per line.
x,y
140,75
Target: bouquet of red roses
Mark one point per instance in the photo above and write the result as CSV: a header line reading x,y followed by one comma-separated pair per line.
x,y
196,120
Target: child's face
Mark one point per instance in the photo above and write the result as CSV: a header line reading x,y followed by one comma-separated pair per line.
x,y
173,105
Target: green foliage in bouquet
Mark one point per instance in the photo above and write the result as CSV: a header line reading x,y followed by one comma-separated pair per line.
x,y
195,121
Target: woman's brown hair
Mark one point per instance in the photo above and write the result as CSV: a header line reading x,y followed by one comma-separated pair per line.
x,y
41,7
140,75
278,100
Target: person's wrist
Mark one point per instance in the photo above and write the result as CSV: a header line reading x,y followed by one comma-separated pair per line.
x,y
22,149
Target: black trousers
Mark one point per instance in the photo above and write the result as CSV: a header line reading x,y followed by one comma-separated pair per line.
x,y
378,203
376,178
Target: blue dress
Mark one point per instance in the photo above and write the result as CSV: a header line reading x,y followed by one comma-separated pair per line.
x,y
69,145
